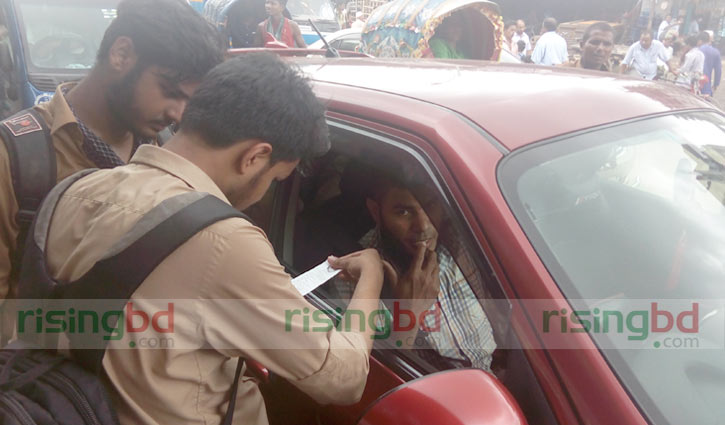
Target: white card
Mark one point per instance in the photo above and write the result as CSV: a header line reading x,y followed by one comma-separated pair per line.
x,y
313,278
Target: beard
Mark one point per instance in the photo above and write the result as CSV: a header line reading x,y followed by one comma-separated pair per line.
x,y
394,251
120,100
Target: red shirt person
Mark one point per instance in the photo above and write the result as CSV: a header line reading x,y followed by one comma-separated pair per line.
x,y
278,28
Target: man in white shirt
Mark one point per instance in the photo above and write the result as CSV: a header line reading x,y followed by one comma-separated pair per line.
x,y
551,49
692,68
359,22
521,35
641,58
663,26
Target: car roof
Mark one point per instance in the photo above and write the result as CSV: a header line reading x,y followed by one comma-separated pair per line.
x,y
515,103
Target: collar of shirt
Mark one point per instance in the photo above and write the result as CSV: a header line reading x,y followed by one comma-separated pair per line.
x,y
178,166
98,151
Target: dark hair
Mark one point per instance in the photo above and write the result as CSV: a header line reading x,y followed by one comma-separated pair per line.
x,y
510,24
705,37
166,33
692,40
550,24
597,26
521,44
258,96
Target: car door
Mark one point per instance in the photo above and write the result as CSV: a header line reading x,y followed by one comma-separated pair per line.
x,y
297,243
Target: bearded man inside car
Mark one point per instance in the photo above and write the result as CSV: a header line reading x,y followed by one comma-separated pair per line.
x,y
441,319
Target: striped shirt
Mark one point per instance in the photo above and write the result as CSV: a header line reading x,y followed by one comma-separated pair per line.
x,y
465,337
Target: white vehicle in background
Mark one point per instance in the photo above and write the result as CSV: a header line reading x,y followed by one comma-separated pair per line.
x,y
347,39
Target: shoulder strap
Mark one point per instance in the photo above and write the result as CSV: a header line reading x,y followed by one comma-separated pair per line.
x,y
32,166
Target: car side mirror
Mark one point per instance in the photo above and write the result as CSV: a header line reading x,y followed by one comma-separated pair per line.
x,y
6,58
462,396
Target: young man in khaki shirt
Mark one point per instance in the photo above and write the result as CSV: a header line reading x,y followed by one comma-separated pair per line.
x,y
150,61
250,123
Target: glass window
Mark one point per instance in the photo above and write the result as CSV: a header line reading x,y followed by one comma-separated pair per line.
x,y
636,211
64,35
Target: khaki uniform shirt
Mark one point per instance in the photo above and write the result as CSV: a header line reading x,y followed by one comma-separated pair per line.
x,y
230,260
67,141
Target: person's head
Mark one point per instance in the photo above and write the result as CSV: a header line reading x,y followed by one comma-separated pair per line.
x,y
151,59
597,44
550,24
402,218
451,29
521,44
275,8
520,26
359,15
692,41
668,40
645,40
510,30
704,38
668,18
250,122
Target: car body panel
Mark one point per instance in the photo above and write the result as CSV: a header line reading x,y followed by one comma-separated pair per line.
x,y
467,161
516,104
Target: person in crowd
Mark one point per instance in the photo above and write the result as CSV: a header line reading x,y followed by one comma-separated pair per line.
x,y
551,48
278,28
641,58
422,275
713,64
597,44
663,26
693,63
508,43
521,35
151,59
242,23
232,294
359,23
521,45
445,43
694,28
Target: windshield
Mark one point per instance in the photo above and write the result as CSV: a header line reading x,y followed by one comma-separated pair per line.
x,y
316,8
63,35
634,214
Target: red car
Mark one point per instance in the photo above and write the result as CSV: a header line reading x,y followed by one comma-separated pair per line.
x,y
556,187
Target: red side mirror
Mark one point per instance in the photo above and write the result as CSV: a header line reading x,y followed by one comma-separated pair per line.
x,y
467,396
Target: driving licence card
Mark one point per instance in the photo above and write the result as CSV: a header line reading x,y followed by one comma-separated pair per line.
x,y
314,277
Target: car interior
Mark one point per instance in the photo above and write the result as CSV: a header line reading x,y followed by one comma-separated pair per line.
x,y
323,213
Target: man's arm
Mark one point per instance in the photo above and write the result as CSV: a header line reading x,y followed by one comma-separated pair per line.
x,y
718,72
253,311
538,55
628,58
299,41
259,36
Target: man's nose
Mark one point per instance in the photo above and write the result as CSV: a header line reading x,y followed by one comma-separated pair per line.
x,y
421,223
175,111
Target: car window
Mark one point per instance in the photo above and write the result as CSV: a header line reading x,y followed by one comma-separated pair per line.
x,y
630,215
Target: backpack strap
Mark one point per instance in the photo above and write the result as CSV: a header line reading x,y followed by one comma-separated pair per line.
x,y
32,166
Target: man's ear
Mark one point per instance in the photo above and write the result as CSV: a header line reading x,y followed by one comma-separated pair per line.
x,y
373,209
253,157
122,55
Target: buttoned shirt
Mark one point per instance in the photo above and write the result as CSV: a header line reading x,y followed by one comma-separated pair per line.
x,y
692,67
232,295
465,337
644,61
550,49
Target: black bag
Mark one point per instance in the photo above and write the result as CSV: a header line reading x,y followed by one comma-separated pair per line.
x,y
32,167
40,386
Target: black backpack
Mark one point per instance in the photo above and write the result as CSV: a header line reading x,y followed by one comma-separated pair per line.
x,y
40,386
32,167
